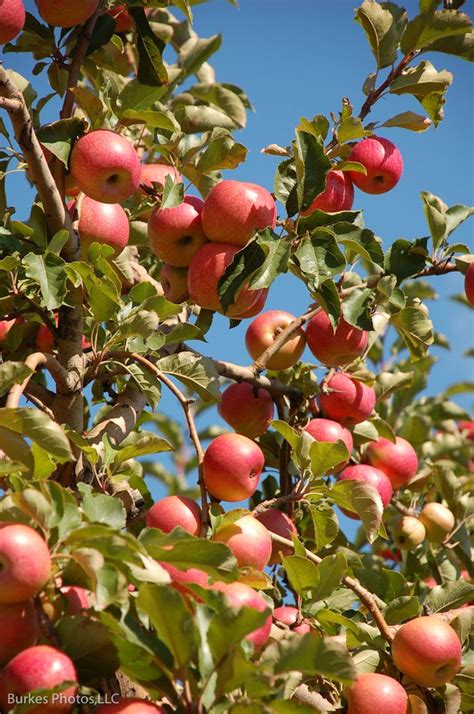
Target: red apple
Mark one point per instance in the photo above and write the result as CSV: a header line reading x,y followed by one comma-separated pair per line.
x,y
19,627
465,426
5,327
130,706
372,477
256,307
289,615
264,330
469,284
337,196
176,234
397,459
247,409
173,511
335,348
372,692
181,578
232,467
235,210
44,339
77,599
105,223
428,651
40,667
249,541
383,162
408,532
174,282
25,563
105,166
66,13
241,595
12,19
330,431
123,21
156,173
438,520
350,401
279,523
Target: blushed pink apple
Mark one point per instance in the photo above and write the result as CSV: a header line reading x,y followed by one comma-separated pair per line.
x,y
105,223
174,282
289,615
383,163
438,520
256,307
176,234
338,347
349,401
249,541
264,330
469,284
408,532
123,21
25,563
5,327
66,13
372,692
172,511
12,19
331,432
105,166
130,705
155,173
77,599
19,627
234,210
337,196
281,524
44,339
241,595
180,579
467,427
247,409
397,459
370,476
232,467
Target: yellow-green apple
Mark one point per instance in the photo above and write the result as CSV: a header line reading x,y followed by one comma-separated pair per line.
x,y
5,327
337,196
249,541
278,522
372,477
123,21
331,432
428,651
397,459
235,210
263,332
383,163
232,467
77,599
408,532
19,627
289,615
131,705
240,595
469,284
172,511
40,667
176,234
12,19
438,520
247,409
338,347
66,13
105,166
174,282
105,223
156,173
206,269
25,562
372,692
349,400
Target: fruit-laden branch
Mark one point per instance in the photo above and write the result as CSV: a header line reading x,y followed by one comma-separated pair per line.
x,y
403,509
365,596
260,364
34,362
289,498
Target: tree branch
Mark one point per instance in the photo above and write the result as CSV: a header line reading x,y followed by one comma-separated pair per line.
x,y
375,94
34,361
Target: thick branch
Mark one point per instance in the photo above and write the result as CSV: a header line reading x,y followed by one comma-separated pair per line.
x,y
34,361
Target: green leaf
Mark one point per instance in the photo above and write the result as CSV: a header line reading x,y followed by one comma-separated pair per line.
x,y
89,645
222,152
195,371
386,383
12,373
461,46
359,241
153,118
447,597
102,508
423,82
312,655
173,193
284,185
362,499
416,330
401,608
194,119
224,99
351,129
406,258
312,166
325,525
140,97
196,51
151,70
48,271
409,120
331,570
59,137
40,428
302,573
357,308
17,449
432,26
318,126
442,220
319,257
141,444
383,24
326,456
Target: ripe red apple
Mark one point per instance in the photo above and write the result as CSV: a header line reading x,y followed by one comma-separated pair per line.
x,y
372,477
5,327
105,223
337,196
279,523
172,511
372,692
232,467
239,595
428,651
289,615
77,599
25,563
123,21
330,431
335,348
66,13
19,627
105,166
174,282
438,520
397,459
248,540
176,234
469,284
256,307
234,210
408,532
44,339
350,402
465,426
205,271
12,19
247,409
130,706
155,173
264,330
181,578
383,162
40,667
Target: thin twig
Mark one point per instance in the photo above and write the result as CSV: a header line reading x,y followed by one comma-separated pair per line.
x,y
34,361
289,498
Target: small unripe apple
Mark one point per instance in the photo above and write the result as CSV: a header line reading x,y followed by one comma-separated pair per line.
x,y
19,627
12,19
469,284
176,234
263,332
372,692
172,511
370,476
249,541
66,13
232,467
105,166
383,162
239,595
335,348
25,563
408,532
438,520
155,173
397,459
428,651
290,615
337,196
123,21
235,210
131,705
330,431
105,223
281,524
247,409
349,400
174,282
77,599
